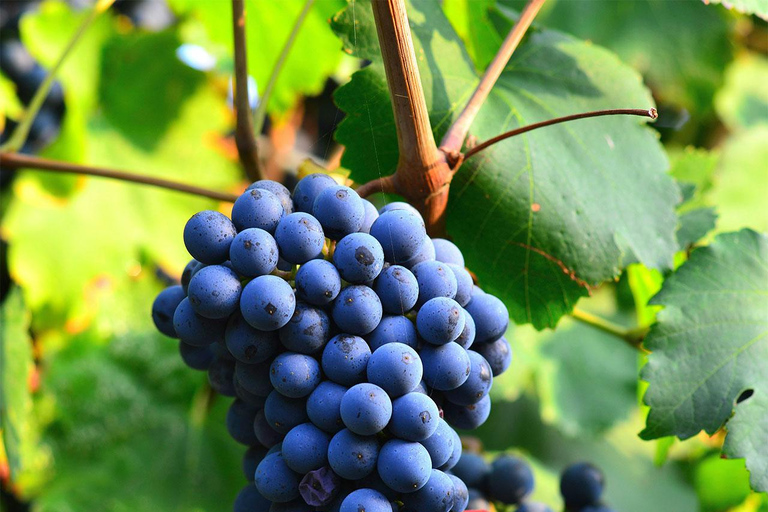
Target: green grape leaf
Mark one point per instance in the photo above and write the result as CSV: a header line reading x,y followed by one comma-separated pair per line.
x,y
144,86
543,216
709,346
721,483
756,7
694,225
743,102
18,424
60,249
121,389
313,58
681,48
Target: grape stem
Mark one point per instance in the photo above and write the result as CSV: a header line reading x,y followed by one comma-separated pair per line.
x,y
457,133
633,337
245,138
651,113
16,161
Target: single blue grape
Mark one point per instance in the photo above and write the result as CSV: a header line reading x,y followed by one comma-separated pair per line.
x,y
282,193
318,282
455,455
510,480
435,496
460,494
581,484
464,284
251,458
414,417
300,238
284,265
371,214
345,359
283,413
374,481
339,210
246,396
188,272
534,506
294,375
435,280
275,480
359,258
257,208
447,252
351,456
401,234
473,470
208,235
490,316
197,358
248,344
254,377
308,331
357,310
396,368
467,337
266,435
398,205
440,321
398,290
440,444
221,376
164,307
365,500
425,253
404,466
498,354
324,406
240,418
267,303
214,292
446,367
308,189
194,329
393,329
467,417
476,386
320,487
254,253
305,448
366,409
249,499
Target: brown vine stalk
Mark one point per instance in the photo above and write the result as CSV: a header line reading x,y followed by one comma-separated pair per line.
x,y
245,138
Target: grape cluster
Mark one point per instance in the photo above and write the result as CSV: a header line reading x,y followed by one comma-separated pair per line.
x,y
352,342
508,480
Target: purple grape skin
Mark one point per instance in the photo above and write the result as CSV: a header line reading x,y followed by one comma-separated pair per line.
x,y
345,359
282,193
447,252
435,280
197,358
254,377
240,417
440,321
248,344
398,290
307,190
275,480
266,435
305,448
477,386
455,455
401,234
358,258
393,329
320,487
464,284
351,456
221,375
425,253
404,466
498,354
366,409
251,458
467,337
164,307
194,329
467,417
436,495
318,282
365,500
414,417
396,368
249,499
461,495
294,375
440,444
208,235
308,331
339,210
371,214
357,310
446,367
254,253
324,406
490,316
300,238
267,303
214,292
257,208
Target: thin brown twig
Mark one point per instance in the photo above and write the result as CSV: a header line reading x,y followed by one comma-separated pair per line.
x,y
17,161
245,138
584,115
384,185
454,138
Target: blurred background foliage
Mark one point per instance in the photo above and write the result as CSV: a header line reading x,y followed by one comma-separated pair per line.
x,y
103,414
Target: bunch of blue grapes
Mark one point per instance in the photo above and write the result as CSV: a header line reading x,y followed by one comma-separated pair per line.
x,y
352,342
508,482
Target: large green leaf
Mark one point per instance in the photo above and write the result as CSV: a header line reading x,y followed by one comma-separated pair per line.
x,y
680,47
710,346
542,216
18,424
314,56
